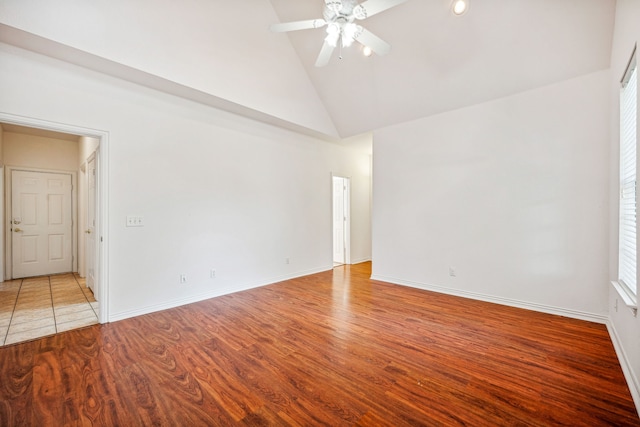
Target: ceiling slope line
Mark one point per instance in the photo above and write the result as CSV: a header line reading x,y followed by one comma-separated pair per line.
x,y
34,43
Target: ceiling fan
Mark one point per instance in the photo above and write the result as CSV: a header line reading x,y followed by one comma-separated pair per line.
x,y
339,16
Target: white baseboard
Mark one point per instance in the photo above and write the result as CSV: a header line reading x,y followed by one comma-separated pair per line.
x,y
574,314
627,369
114,317
360,260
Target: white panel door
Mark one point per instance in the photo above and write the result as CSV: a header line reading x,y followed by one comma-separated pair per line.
x,y
90,232
41,223
338,220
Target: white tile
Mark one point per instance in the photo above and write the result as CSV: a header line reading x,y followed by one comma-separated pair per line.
x,y
7,302
27,307
9,286
5,319
22,316
34,324
3,334
79,323
71,308
78,315
30,334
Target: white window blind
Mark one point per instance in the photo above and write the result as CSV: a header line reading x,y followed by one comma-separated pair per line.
x,y
628,143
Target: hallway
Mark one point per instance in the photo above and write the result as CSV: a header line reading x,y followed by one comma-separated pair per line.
x,y
35,307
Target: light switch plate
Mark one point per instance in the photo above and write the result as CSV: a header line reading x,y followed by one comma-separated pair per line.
x,y
135,221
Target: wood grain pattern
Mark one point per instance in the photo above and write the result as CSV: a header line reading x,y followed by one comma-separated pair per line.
x,y
333,349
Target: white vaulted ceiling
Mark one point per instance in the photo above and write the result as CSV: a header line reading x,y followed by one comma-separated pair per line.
x,y
441,62
222,53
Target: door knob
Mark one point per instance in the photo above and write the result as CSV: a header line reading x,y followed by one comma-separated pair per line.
x,y
88,231
17,230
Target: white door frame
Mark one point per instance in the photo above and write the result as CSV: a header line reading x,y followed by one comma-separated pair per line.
x,y
8,179
347,214
102,198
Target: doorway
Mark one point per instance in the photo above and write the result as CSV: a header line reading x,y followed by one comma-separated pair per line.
x,y
41,223
95,246
341,220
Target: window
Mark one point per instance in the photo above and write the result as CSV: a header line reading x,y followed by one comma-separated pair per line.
x,y
628,143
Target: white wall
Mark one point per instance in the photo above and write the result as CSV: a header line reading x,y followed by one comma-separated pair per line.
x,y
40,152
624,326
361,209
216,191
216,48
512,194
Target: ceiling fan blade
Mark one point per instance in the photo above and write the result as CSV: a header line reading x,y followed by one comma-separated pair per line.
x,y
367,38
298,25
325,54
371,7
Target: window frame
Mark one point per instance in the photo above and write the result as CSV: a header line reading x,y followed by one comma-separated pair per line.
x,y
627,284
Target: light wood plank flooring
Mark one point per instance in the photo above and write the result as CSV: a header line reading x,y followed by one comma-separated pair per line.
x,y
331,349
39,306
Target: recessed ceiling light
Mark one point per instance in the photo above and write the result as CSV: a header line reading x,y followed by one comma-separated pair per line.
x,y
366,51
460,7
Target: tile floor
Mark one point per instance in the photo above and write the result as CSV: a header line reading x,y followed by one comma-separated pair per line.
x,y
35,307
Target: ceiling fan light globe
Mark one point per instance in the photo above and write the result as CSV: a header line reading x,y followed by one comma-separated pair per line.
x,y
460,7
349,31
332,39
333,28
347,41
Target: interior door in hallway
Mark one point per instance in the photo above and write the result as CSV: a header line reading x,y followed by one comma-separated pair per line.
x,y
341,220
41,223
90,245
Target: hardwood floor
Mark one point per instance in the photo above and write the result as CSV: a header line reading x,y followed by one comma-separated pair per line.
x,y
333,348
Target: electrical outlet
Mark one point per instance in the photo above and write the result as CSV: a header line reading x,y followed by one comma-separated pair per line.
x,y
183,278
212,274
452,272
287,260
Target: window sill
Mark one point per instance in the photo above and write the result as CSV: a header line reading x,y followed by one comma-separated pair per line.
x,y
627,296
